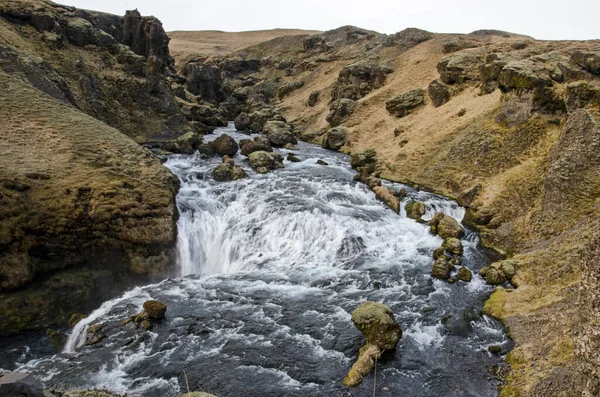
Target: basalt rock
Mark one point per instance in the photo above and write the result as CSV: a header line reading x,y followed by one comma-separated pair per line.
x,y
464,274
146,36
449,227
582,94
279,133
415,210
358,79
441,269
439,93
335,138
242,122
466,197
405,103
256,146
225,145
263,162
459,68
155,309
340,110
367,157
205,80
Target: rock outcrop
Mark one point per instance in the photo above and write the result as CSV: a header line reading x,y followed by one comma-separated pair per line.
x,y
264,162
358,79
405,103
335,138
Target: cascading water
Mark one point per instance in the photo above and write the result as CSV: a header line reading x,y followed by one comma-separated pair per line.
x,y
273,266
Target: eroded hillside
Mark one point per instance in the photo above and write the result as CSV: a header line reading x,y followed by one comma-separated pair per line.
x,y
505,123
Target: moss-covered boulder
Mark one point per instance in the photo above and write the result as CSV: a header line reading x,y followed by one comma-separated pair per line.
x,y
263,162
453,245
464,274
449,227
459,68
255,146
415,210
225,145
581,94
366,157
335,138
279,133
385,194
228,171
495,276
358,79
377,323
155,309
441,269
405,103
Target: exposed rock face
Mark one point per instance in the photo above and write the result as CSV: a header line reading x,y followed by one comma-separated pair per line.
x,y
288,88
340,110
205,80
459,68
146,36
225,145
368,157
264,162
582,94
259,118
407,38
377,323
335,138
279,133
587,60
405,103
358,79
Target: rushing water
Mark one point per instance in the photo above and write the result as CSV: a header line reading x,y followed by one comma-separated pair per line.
x,y
272,267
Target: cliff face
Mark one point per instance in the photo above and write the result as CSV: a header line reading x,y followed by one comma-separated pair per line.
x,y
517,116
85,211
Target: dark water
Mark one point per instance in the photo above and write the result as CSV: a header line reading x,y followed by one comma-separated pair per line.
x,y
272,267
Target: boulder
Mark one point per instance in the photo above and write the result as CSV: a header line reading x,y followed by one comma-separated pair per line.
x,y
207,149
321,162
439,93
587,60
259,118
292,158
405,103
225,145
339,111
523,75
367,357
441,269
385,194
242,122
495,276
189,142
20,384
454,262
313,98
279,133
377,323
438,253
335,138
407,38
509,268
449,227
453,245
459,68
155,309
228,171
290,146
263,162
581,94
415,210
464,274
435,221
368,156
255,146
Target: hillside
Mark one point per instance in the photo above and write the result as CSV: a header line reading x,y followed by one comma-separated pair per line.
x,y
505,123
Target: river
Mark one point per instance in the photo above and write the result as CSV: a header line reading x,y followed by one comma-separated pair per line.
x,y
271,266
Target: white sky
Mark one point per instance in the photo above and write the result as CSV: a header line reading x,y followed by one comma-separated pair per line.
x,y
542,19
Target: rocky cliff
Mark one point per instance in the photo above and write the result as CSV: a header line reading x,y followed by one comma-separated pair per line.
x,y
85,211
504,123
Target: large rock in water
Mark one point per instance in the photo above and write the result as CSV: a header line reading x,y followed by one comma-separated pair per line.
x,y
385,194
20,384
405,103
263,162
377,323
446,226
242,122
256,146
279,133
155,309
228,171
225,145
335,138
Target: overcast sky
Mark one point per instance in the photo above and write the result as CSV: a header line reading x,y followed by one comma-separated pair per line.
x,y
542,19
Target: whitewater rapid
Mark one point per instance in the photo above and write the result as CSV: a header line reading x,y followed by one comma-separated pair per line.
x,y
270,267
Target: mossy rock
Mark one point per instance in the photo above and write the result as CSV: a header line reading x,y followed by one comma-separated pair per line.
x,y
453,245
464,274
441,269
404,104
155,309
377,323
415,210
57,339
495,276
449,227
